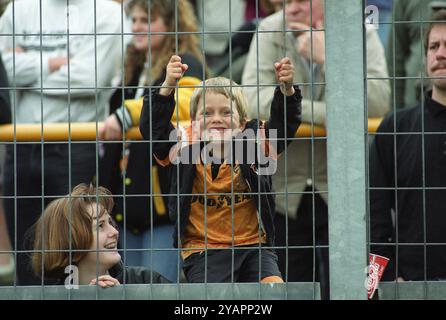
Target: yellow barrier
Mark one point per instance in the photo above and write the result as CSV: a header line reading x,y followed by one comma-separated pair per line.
x,y
87,131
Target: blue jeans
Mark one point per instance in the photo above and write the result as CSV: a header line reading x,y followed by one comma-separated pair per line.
x,y
165,262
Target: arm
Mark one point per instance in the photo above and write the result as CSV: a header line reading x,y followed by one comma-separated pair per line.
x,y
378,91
27,70
128,115
155,122
266,75
311,47
92,62
158,109
381,175
269,50
87,54
286,103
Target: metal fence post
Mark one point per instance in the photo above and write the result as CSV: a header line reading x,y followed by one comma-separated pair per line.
x,y
346,148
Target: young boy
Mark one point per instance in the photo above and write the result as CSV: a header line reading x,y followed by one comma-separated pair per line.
x,y
223,209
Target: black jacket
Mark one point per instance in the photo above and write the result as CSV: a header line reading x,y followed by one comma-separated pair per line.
x,y
408,177
156,114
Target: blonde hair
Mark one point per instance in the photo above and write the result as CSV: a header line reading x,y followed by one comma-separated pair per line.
x,y
62,216
188,41
224,86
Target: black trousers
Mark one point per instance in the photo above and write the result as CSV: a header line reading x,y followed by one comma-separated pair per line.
x,y
26,178
220,268
300,234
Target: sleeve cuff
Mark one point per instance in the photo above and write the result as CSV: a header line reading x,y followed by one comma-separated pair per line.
x,y
124,117
162,98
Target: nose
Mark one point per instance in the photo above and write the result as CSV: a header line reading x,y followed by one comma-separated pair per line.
x,y
137,26
113,232
441,52
216,118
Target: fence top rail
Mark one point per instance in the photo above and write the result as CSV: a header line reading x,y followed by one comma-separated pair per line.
x,y
215,291
87,131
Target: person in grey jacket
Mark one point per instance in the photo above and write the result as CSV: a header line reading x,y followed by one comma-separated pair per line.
x,y
302,173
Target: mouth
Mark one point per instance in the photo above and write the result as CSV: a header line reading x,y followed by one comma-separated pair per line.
x,y
111,246
139,37
218,128
439,68
295,17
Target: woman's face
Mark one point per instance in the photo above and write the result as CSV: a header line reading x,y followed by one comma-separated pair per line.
x,y
140,24
105,241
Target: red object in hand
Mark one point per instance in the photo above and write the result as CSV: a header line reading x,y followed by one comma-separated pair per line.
x,y
376,269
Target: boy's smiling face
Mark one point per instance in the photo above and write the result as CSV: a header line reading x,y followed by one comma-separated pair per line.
x,y
218,117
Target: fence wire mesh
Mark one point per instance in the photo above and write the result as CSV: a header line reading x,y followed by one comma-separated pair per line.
x,y
88,91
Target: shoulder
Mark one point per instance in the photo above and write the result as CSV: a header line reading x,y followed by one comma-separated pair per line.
x,y
411,9
373,40
19,7
109,12
112,6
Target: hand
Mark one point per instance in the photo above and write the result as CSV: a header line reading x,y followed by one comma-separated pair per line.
x,y
400,279
174,71
54,64
304,41
111,130
285,74
104,281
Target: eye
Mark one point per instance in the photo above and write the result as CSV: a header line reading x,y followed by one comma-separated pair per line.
x,y
433,46
112,222
227,112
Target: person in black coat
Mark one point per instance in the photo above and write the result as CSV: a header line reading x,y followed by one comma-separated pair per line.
x,y
80,240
